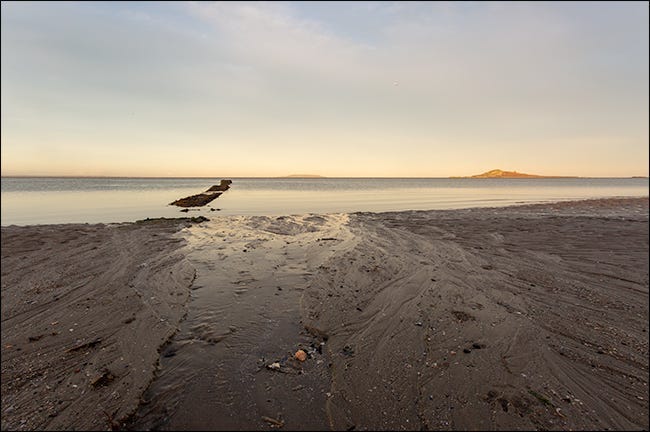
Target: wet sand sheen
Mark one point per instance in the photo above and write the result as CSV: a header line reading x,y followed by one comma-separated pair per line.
x,y
528,317
244,316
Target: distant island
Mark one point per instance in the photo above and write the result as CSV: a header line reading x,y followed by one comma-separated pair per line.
x,y
497,173
304,176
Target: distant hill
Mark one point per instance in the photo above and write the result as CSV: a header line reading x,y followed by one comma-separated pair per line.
x,y
497,173
305,176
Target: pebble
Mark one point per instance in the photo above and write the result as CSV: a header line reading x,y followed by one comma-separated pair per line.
x,y
301,355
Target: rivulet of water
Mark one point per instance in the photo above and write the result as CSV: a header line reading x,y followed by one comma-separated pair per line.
x,y
245,316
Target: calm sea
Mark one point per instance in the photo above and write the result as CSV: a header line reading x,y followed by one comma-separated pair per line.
x,y
28,201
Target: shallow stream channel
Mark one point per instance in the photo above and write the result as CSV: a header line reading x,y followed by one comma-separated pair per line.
x,y
232,365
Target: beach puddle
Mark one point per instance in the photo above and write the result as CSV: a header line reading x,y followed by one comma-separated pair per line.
x,y
231,365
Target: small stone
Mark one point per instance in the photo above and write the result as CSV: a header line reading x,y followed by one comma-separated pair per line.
x,y
300,355
467,350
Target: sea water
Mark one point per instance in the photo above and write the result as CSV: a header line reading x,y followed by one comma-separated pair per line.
x,y
51,200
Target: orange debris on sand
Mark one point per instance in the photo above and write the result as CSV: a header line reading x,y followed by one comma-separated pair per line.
x,y
301,355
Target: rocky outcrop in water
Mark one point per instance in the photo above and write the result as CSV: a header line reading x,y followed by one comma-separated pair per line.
x,y
223,186
204,198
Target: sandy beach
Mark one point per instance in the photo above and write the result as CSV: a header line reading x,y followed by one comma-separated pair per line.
x,y
532,317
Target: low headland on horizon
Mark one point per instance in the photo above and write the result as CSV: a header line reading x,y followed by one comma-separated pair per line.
x,y
497,173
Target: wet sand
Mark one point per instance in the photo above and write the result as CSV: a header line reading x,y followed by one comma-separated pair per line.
x,y
85,309
526,317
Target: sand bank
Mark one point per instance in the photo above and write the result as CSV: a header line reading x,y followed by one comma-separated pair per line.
x,y
528,317
531,317
85,309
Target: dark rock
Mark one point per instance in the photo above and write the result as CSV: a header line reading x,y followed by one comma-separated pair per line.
x,y
223,186
204,198
198,200
467,350
491,395
104,379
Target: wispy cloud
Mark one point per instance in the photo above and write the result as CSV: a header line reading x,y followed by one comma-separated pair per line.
x,y
451,81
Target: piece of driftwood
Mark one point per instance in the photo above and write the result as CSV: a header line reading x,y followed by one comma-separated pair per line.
x,y
204,198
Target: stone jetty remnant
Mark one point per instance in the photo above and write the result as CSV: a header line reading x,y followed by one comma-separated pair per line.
x,y
204,197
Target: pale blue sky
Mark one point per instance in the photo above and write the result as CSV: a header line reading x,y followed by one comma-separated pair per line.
x,y
336,89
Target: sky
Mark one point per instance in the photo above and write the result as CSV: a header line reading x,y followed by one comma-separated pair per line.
x,y
338,89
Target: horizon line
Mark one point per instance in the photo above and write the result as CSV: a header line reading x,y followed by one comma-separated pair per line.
x,y
314,177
